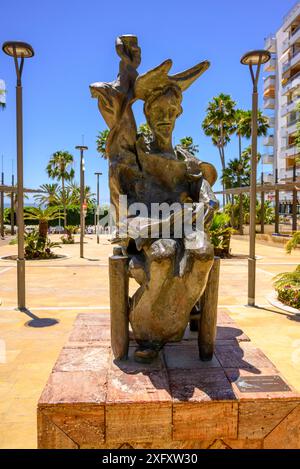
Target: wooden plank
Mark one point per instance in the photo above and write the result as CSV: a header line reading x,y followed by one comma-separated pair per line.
x,y
244,444
74,387
187,357
140,422
242,355
203,421
89,332
83,359
258,418
230,332
206,385
286,434
83,424
50,436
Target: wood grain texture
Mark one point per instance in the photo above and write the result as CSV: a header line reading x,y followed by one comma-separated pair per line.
x,y
203,421
139,422
286,434
82,424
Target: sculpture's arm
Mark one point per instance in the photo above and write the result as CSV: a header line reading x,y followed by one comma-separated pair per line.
x,y
211,203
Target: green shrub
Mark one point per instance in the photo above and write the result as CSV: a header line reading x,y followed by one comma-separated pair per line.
x,y
289,296
38,247
220,234
287,286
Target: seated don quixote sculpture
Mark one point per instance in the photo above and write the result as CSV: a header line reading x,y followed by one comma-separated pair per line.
x,y
164,205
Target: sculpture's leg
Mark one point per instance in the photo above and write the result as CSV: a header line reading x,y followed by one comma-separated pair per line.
x,y
208,318
118,287
160,309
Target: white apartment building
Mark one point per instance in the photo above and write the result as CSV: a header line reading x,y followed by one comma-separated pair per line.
x,y
281,96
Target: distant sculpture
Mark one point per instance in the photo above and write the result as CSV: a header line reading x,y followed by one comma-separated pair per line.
x,y
172,269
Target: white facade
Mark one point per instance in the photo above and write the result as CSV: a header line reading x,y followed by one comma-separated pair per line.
x,y
281,96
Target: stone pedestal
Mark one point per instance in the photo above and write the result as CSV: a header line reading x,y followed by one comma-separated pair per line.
x,y
238,400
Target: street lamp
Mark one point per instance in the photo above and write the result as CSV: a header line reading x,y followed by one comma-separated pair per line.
x,y
82,169
252,59
19,50
98,206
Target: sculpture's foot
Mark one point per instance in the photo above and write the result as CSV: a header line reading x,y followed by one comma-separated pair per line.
x,y
145,355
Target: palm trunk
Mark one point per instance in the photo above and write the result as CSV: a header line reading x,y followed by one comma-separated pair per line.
x,y
64,201
43,229
223,167
222,155
241,215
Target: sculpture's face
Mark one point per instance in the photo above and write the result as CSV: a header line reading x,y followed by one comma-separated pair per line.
x,y
162,113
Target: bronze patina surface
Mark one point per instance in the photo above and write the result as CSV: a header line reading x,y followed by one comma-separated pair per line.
x,y
172,270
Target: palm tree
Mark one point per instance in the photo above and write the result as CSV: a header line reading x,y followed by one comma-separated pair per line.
x,y
243,129
73,193
58,168
146,132
43,216
101,139
188,144
101,142
220,124
237,174
238,170
49,197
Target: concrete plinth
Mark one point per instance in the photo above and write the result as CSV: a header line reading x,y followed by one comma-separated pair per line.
x,y
238,400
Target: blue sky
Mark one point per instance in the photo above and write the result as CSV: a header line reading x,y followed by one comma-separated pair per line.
x,y
74,46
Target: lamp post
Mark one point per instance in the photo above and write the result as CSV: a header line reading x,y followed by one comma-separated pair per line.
x,y
98,206
19,50
253,59
82,169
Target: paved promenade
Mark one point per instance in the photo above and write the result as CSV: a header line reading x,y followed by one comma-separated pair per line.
x,y
61,289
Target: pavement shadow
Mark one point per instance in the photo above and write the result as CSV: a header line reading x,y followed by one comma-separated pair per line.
x,y
179,371
38,322
291,316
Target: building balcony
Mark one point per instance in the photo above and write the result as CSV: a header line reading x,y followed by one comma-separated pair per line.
x,y
269,82
283,132
288,129
296,58
291,16
267,159
286,108
294,37
292,61
291,127
269,103
291,84
286,66
287,173
271,122
268,178
289,151
285,45
270,66
270,44
268,141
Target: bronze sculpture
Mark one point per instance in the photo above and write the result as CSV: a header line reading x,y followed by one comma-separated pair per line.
x,y
172,269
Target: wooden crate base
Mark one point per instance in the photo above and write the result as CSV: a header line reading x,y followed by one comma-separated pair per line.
x,y
238,400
